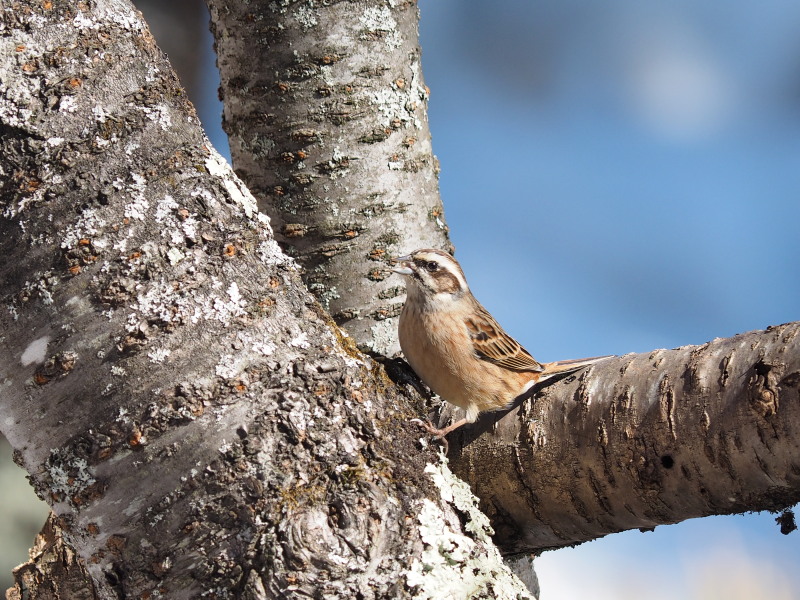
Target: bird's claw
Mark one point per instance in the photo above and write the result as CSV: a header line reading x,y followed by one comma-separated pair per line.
x,y
438,434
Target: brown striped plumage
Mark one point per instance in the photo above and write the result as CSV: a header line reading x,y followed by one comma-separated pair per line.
x,y
456,347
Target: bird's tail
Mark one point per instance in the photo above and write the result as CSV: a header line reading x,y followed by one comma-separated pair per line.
x,y
562,367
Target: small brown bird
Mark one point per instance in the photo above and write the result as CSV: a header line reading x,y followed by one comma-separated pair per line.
x,y
456,347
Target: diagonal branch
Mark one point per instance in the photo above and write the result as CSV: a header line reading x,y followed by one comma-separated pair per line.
x,y
326,110
644,440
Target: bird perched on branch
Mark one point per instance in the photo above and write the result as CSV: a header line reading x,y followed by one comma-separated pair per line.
x,y
456,347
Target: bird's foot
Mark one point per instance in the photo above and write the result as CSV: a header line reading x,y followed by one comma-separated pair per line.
x,y
438,434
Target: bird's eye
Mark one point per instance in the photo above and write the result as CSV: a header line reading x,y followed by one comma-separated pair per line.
x,y
432,266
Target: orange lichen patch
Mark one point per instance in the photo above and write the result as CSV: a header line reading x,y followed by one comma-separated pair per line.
x,y
229,251
377,253
321,390
40,379
93,528
135,439
401,83
20,48
32,185
84,242
189,527
240,387
74,270
47,5
377,274
350,234
74,82
294,230
409,141
116,543
274,283
29,67
134,255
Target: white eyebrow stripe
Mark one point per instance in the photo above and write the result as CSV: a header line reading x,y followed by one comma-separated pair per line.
x,y
449,263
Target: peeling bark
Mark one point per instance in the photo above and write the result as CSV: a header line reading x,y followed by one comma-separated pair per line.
x,y
643,440
197,423
325,107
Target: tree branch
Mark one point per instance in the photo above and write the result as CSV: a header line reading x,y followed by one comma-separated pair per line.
x,y
326,110
643,440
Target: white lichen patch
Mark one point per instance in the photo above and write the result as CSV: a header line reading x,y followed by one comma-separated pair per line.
x,y
158,114
379,20
306,17
454,565
270,253
161,302
101,15
68,475
264,348
229,367
401,103
384,337
36,351
218,167
165,208
175,256
67,104
158,355
42,287
12,310
139,204
87,225
100,114
300,341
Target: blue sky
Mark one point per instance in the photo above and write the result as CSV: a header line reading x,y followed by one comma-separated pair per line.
x,y
618,178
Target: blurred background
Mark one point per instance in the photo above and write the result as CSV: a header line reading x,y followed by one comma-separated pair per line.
x,y
617,177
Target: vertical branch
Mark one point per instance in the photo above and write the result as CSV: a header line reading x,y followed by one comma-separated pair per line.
x,y
325,106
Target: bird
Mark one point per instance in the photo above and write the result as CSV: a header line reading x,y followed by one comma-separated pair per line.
x,y
456,346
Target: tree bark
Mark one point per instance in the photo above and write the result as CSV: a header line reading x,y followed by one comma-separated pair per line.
x,y
325,107
643,440
198,424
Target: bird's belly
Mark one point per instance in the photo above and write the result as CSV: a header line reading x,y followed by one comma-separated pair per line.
x,y
457,375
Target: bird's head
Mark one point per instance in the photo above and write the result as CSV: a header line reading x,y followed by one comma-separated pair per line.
x,y
433,274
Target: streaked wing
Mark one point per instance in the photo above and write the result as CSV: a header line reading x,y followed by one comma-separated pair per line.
x,y
494,345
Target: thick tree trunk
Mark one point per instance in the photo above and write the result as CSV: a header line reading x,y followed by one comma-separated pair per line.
x,y
195,420
325,107
643,440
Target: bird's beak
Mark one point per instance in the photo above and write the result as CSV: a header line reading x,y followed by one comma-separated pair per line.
x,y
403,265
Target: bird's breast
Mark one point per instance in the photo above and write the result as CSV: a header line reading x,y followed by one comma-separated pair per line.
x,y
439,349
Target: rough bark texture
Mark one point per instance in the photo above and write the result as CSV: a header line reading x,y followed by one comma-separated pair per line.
x,y
195,420
325,107
643,440
54,571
